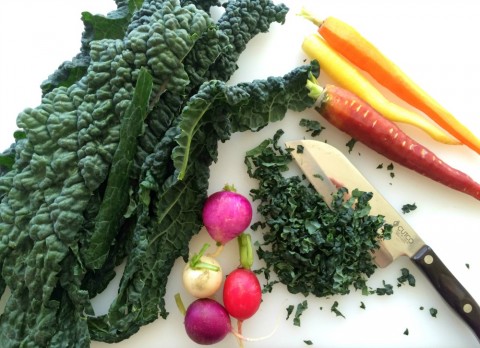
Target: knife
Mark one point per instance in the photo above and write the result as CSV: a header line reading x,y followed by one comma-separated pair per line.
x,y
326,168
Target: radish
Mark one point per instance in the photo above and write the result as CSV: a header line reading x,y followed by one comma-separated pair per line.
x,y
226,214
242,294
207,321
203,275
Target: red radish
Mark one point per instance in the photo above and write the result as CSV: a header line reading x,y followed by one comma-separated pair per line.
x,y
242,294
207,321
202,275
355,117
226,214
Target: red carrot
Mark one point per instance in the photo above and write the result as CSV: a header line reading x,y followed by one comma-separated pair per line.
x,y
355,117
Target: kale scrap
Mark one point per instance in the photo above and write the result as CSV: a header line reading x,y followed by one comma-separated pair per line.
x,y
310,247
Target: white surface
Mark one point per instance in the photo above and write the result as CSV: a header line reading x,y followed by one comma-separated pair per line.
x,y
434,41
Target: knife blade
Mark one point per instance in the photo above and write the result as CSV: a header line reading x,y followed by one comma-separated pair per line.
x,y
326,168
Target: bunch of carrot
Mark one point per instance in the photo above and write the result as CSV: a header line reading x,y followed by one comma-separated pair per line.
x,y
358,108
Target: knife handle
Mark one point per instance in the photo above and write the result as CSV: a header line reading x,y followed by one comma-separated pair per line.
x,y
449,287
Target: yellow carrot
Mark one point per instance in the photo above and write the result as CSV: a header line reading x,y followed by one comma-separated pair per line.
x,y
348,77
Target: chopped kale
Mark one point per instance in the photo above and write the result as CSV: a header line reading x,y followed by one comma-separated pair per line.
x,y
311,248
406,277
290,309
312,126
407,208
308,342
362,305
433,312
406,332
335,310
350,144
301,307
386,290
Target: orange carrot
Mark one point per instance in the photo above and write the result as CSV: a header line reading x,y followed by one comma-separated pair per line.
x,y
362,53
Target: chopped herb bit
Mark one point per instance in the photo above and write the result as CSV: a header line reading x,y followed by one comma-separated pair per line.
x,y
319,176
335,310
392,175
407,208
350,144
312,126
362,305
311,248
422,308
406,277
290,311
406,332
301,307
386,290
390,166
321,308
433,312
467,265
308,342
380,166
300,148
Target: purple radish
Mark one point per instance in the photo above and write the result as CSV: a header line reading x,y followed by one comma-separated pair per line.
x,y
207,321
226,214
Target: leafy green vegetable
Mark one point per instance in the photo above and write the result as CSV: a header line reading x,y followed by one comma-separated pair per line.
x,y
406,277
56,198
362,305
406,332
335,310
312,126
308,342
386,290
310,247
301,307
350,144
290,309
433,312
407,208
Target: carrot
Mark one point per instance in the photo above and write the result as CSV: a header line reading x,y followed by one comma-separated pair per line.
x,y
362,53
352,115
348,77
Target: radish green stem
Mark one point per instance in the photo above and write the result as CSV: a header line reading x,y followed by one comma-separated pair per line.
x,y
180,305
229,187
195,262
246,250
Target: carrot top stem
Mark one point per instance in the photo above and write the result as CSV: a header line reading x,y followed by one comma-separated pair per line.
x,y
308,15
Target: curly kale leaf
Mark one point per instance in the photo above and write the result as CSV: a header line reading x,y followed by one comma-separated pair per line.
x,y
116,196
96,27
247,106
243,20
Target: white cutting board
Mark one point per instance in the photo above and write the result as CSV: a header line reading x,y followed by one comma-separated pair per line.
x,y
436,42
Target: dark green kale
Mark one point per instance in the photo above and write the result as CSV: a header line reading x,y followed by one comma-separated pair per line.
x,y
406,277
290,309
308,342
335,310
350,144
312,126
433,312
310,247
301,307
406,332
387,289
407,208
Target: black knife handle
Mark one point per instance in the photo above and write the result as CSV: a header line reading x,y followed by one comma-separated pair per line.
x,y
449,287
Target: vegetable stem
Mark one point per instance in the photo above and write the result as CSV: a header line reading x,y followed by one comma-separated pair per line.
x,y
195,262
180,305
245,250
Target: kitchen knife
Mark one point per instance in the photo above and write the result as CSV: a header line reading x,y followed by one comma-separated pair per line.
x,y
327,168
